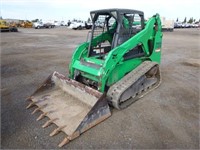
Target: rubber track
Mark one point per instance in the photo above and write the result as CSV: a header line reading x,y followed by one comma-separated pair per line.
x,y
116,90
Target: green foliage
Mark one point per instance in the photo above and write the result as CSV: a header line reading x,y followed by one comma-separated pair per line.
x,y
185,20
88,20
35,20
191,20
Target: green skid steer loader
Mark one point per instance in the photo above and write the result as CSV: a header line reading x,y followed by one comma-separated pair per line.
x,y
117,65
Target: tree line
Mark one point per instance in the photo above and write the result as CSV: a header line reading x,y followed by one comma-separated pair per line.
x,y
191,20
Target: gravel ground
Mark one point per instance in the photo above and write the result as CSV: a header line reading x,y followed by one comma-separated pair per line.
x,y
168,117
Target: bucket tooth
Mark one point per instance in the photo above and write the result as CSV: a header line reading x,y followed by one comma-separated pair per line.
x,y
35,110
49,122
39,108
30,105
29,98
73,136
56,131
64,141
42,116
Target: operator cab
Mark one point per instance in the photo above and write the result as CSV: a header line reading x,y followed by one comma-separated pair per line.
x,y
111,28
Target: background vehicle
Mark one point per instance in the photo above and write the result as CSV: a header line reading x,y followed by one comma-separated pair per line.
x,y
57,23
49,25
117,65
40,24
4,26
178,24
26,24
88,25
167,25
62,23
77,24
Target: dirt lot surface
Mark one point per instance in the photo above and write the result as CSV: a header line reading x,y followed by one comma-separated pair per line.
x,y
168,117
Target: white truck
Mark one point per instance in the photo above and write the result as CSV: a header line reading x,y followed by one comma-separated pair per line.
x,y
43,24
38,25
77,25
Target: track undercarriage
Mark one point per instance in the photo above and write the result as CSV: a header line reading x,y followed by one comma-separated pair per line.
x,y
134,85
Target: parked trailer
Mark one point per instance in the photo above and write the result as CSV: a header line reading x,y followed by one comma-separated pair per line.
x,y
167,25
